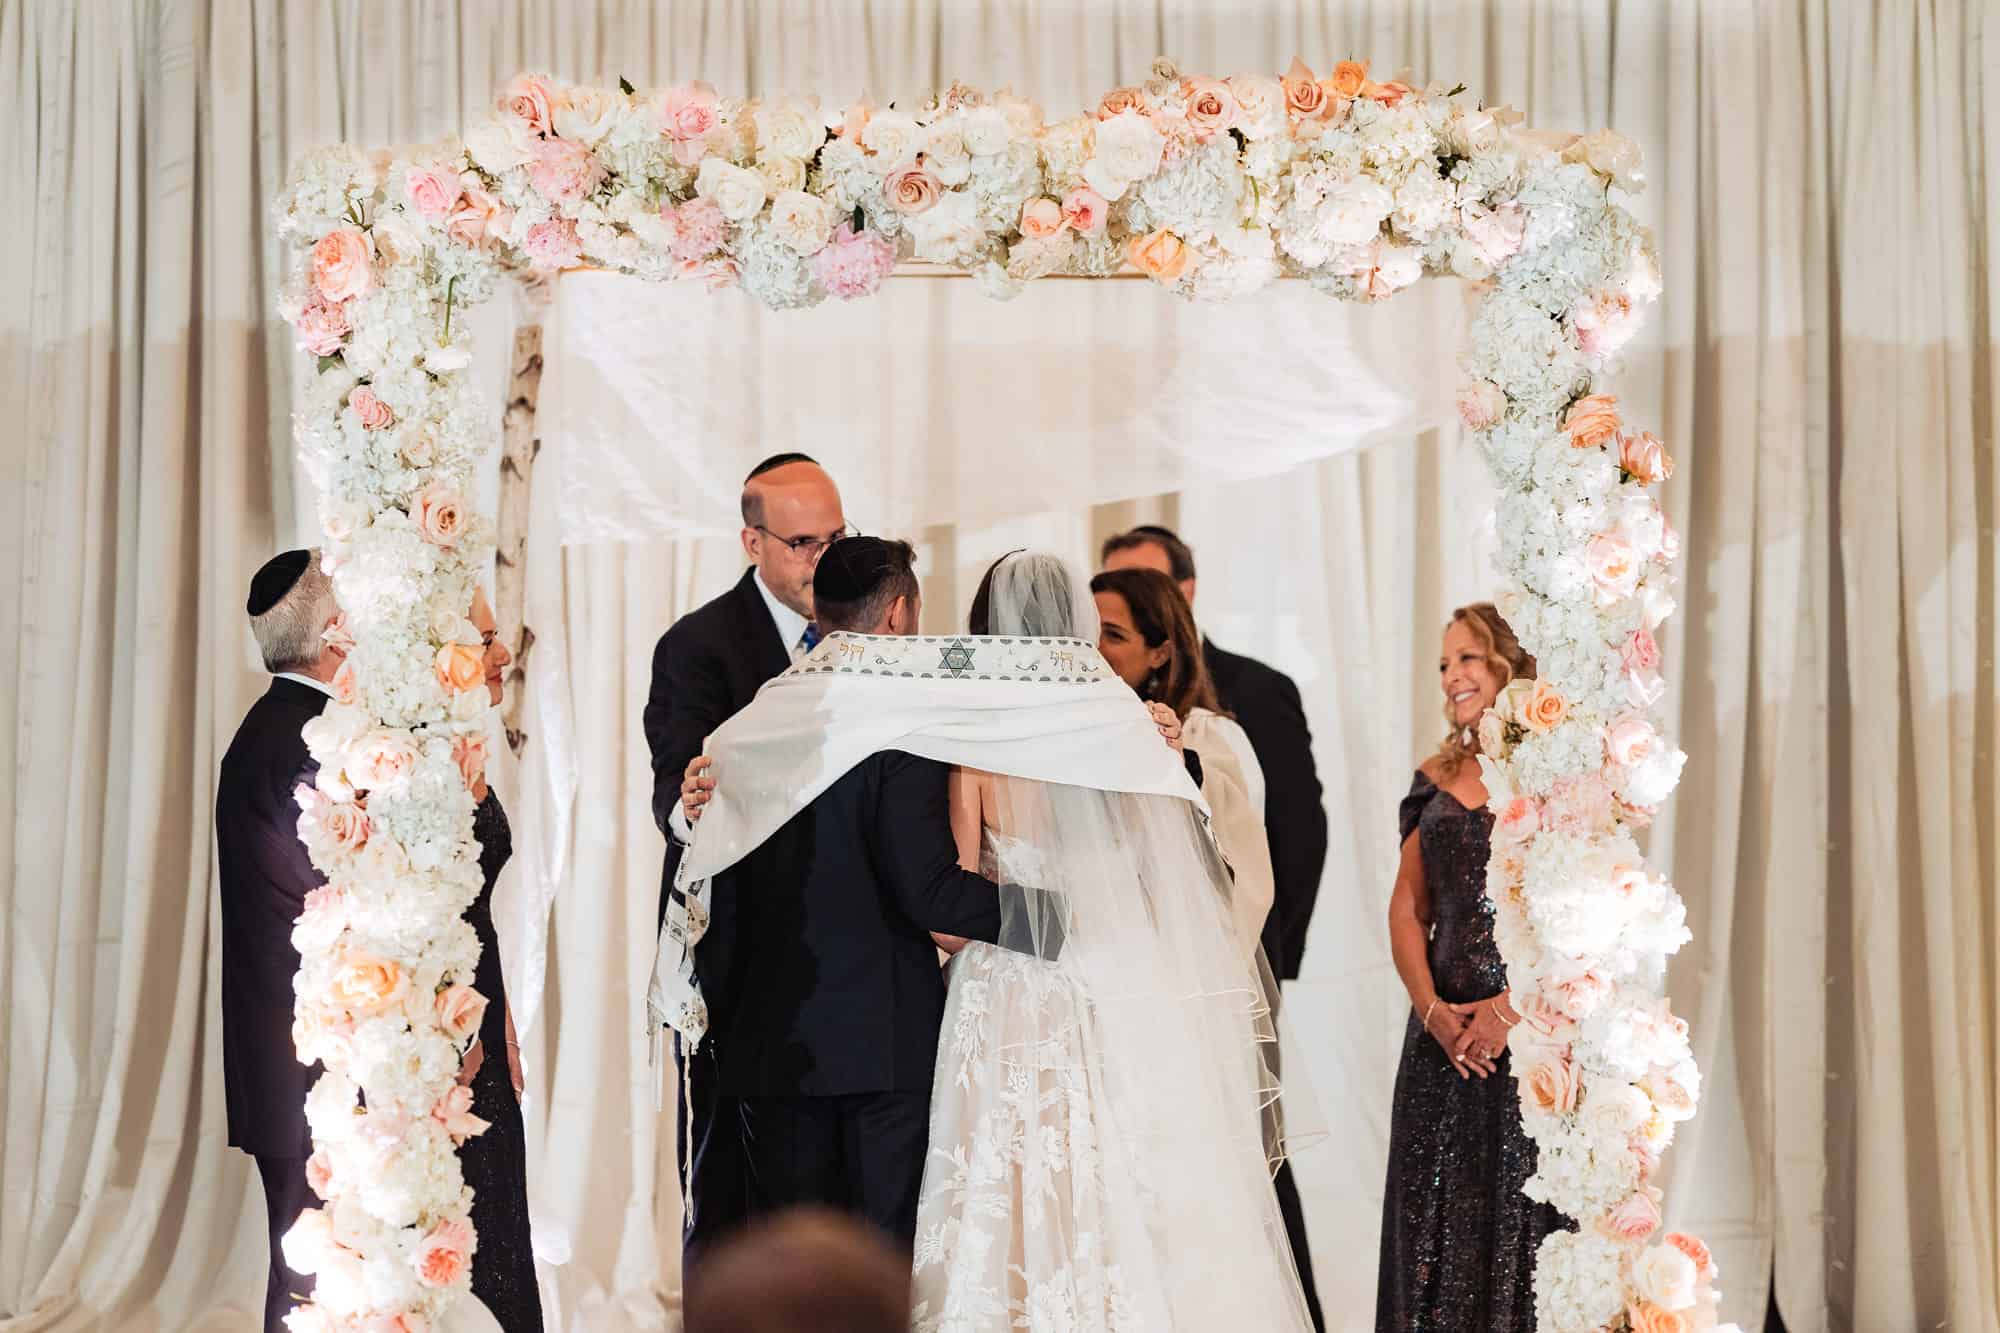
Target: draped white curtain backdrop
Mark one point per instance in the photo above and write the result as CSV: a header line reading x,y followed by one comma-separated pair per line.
x,y
1822,363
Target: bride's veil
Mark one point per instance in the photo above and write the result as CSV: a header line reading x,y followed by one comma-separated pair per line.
x,y
1182,1044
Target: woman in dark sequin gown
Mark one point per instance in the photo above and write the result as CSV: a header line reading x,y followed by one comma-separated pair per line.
x,y
496,1162
1458,1236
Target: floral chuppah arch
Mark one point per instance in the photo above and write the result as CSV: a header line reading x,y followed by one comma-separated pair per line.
x,y
1212,187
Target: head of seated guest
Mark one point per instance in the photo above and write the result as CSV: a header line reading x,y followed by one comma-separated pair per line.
x,y
867,585
808,1269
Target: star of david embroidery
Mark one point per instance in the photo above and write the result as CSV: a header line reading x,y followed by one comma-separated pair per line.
x,y
956,661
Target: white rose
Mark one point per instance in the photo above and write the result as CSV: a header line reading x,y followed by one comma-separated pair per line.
x,y
588,114
499,146
946,155
1666,1277
1261,100
949,232
892,136
802,221
785,130
782,173
985,130
1128,150
1353,211
737,191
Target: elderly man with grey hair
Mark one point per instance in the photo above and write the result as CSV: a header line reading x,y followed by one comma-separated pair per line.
x,y
265,875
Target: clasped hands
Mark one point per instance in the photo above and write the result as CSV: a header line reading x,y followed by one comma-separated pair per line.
x,y
1474,1034
697,786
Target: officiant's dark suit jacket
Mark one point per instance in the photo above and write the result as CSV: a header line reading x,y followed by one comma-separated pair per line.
x,y
265,874
819,941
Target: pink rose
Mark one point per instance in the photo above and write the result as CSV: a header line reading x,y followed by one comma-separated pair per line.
x,y
1613,567
1305,96
1041,218
1578,805
912,190
346,689
1643,458
1159,255
1628,741
1481,404
1211,107
347,824
697,228
432,191
382,759
1495,233
1552,1085
472,216
856,120
1645,1160
1549,1021
364,985
371,411
468,751
459,1010
337,636
1519,820
1640,652
322,918
1635,1219
553,244
717,274
1669,1094
1577,998
440,515
565,171
1604,323
528,97
319,1174
688,115
445,1255
854,265
322,325
341,265
454,1112
1085,210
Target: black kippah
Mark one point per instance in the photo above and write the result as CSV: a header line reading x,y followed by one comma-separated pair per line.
x,y
275,579
851,569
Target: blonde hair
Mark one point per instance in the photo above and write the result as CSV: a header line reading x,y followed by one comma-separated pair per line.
x,y
1509,661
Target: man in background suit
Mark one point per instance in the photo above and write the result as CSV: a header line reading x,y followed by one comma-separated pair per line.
x,y
1266,704
707,666
266,874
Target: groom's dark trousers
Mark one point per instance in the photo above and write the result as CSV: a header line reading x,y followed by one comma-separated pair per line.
x,y
707,667
819,950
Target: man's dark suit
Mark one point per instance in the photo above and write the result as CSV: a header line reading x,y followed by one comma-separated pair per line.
x,y
707,667
266,874
831,996
1267,706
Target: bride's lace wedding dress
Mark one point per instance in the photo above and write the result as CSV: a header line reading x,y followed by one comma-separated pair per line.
x,y
1085,1171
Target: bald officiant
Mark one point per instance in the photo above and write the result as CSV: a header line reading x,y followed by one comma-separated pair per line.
x,y
265,875
707,666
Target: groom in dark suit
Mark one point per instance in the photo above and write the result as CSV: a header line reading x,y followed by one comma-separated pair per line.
x,y
266,874
707,666
824,985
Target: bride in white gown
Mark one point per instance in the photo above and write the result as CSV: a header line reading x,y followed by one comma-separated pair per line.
x,y
1103,1125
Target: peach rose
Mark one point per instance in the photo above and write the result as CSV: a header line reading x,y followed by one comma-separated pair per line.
x,y
1591,420
341,265
432,191
1305,99
365,985
369,410
912,190
1646,1317
1120,100
347,824
1692,1247
1349,78
1481,404
440,515
1644,458
1085,210
1041,218
460,667
346,689
469,753
528,97
1391,93
459,1010
1211,108
1160,255
1519,820
454,1112
444,1256
1635,1219
1544,1018
382,758
1628,741
1613,566
319,1174
1552,1085
856,120
1544,709
1576,998
473,217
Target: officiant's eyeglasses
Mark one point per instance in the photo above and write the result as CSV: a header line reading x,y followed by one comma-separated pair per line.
x,y
812,548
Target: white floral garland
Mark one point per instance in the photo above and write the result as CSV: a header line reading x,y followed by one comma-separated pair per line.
x,y
1213,187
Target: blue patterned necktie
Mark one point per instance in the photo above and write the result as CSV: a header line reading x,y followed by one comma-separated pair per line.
x,y
810,639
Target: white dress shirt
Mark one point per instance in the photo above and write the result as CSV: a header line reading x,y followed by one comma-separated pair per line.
x,y
319,685
792,633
